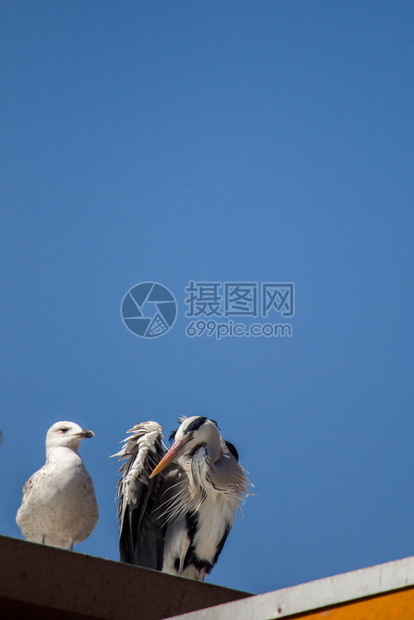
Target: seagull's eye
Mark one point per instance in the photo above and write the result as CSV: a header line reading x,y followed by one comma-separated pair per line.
x,y
63,429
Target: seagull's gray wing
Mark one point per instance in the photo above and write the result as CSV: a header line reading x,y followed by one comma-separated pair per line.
x,y
141,540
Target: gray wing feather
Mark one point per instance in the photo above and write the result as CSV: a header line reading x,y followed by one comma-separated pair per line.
x,y
141,540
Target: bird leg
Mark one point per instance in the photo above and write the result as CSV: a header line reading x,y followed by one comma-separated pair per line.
x,y
203,573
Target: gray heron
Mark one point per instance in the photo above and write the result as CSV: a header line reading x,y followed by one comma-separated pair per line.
x,y
59,506
176,507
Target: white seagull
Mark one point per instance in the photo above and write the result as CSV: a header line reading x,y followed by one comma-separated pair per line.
x,y
176,508
59,506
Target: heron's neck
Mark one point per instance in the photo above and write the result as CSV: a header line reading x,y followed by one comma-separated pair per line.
x,y
214,445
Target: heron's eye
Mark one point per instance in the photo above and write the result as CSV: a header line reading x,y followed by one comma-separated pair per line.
x,y
190,434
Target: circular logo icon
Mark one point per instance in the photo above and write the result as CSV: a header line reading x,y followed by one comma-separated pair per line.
x,y
149,310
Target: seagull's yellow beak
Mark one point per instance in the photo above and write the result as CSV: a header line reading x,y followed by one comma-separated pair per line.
x,y
169,456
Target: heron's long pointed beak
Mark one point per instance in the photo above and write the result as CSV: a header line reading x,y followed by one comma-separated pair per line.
x,y
172,453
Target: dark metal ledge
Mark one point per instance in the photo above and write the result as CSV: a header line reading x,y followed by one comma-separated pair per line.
x,y
43,582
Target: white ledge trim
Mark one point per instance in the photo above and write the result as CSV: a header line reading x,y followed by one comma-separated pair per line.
x,y
315,594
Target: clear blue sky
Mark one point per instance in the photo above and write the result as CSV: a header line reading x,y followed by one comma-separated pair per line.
x,y
239,141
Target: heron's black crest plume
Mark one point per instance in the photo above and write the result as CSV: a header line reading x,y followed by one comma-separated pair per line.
x,y
232,450
193,426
